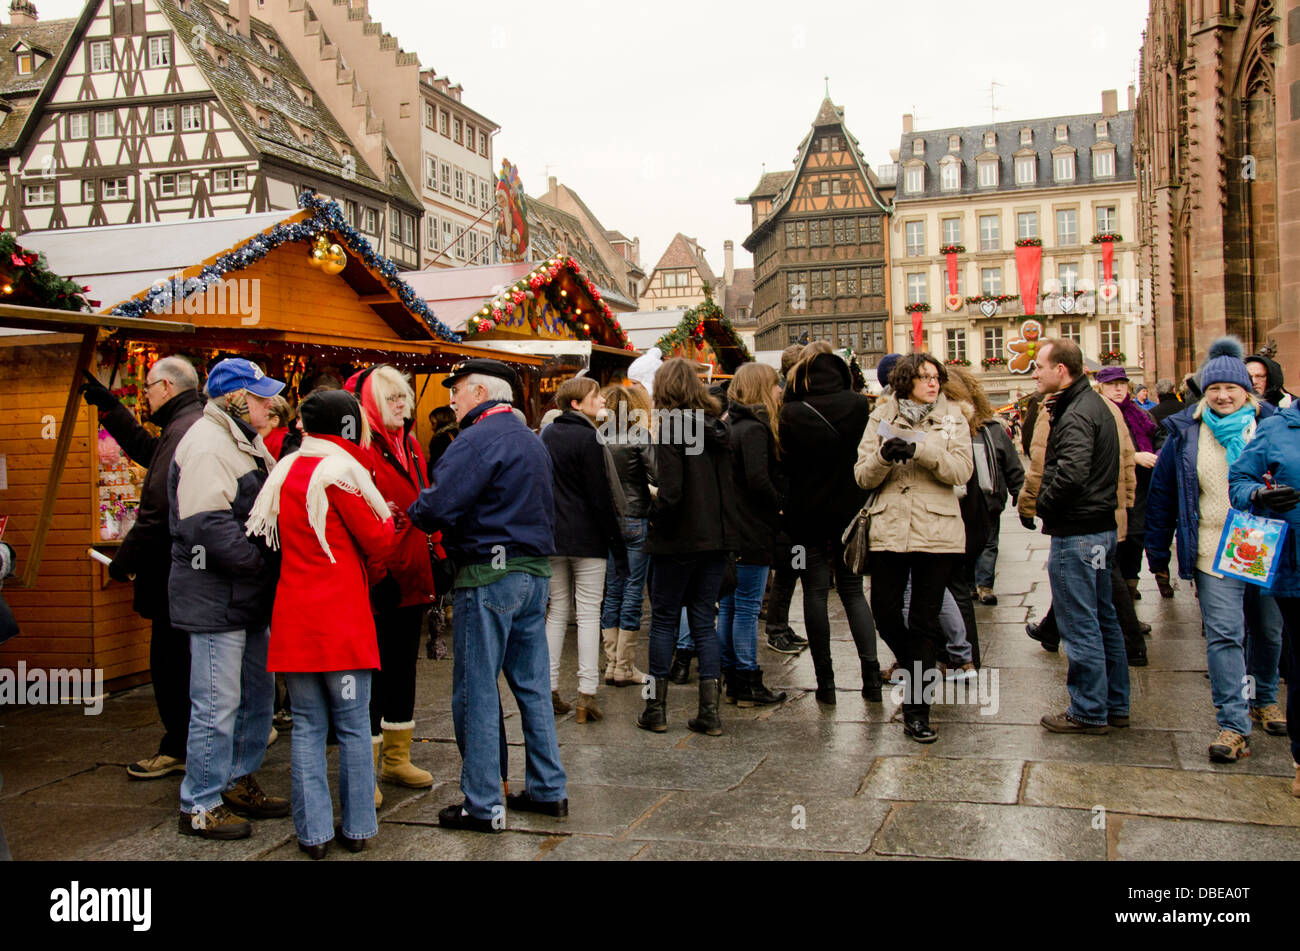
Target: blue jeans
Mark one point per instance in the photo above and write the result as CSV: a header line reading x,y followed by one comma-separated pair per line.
x,y
501,628
738,618
987,562
684,640
232,699
624,597
1227,605
1078,567
316,698
691,582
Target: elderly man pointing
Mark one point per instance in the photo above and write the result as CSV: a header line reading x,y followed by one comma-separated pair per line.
x,y
492,500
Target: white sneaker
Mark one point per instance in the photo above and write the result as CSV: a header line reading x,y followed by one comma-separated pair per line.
x,y
964,672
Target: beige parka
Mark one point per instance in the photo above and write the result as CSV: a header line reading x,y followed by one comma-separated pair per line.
x,y
917,507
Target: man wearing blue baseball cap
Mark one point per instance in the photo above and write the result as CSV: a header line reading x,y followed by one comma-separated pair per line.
x,y
220,591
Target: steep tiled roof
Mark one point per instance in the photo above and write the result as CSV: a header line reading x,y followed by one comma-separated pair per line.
x,y
682,253
1081,135
12,124
48,36
547,226
242,91
771,183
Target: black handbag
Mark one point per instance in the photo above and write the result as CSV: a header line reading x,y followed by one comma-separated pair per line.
x,y
857,538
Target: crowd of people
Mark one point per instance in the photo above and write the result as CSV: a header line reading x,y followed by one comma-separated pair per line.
x,y
315,543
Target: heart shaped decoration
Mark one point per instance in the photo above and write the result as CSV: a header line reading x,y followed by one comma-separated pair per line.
x,y
1109,291
953,301
1067,303
988,307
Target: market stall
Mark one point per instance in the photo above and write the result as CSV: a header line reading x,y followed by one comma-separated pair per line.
x,y
706,336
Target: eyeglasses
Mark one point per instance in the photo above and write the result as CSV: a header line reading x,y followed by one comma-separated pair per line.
x,y
154,383
400,397
928,377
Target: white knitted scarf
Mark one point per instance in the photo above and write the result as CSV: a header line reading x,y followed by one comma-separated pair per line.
x,y
337,467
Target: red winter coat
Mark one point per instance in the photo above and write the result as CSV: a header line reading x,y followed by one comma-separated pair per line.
x,y
274,440
410,564
321,620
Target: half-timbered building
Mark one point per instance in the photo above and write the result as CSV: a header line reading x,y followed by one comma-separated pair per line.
x,y
820,242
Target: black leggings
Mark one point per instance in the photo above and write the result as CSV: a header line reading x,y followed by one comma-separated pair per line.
x,y
824,561
392,694
918,639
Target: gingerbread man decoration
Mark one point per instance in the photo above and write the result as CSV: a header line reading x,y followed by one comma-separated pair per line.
x,y
1024,350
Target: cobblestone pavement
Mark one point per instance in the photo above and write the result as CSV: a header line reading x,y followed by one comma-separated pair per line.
x,y
796,781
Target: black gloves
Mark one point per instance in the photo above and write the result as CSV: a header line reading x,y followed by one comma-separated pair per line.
x,y
1281,499
1028,522
117,570
96,393
897,449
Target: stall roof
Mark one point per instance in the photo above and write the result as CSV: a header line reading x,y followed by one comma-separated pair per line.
x,y
459,292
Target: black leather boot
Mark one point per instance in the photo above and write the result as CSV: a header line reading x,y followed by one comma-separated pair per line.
x,y
680,672
655,715
707,720
871,683
732,684
754,693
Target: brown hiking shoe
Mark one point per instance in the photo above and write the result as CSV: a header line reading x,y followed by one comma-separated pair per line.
x,y
156,767
1064,723
246,798
1228,747
1162,582
558,704
218,823
1271,718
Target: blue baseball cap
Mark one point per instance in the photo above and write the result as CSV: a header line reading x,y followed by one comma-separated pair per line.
x,y
236,374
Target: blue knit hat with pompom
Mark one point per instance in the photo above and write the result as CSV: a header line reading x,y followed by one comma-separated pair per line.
x,y
1225,365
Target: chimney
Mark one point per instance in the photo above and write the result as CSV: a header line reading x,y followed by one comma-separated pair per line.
x,y
1109,103
729,269
22,13
636,251
907,122
239,12
552,189
1132,97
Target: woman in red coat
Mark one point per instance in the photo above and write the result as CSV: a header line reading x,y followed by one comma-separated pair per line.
x,y
402,598
335,530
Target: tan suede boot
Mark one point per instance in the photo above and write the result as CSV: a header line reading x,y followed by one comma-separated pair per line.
x,y
587,708
378,743
397,765
625,672
1295,784
609,647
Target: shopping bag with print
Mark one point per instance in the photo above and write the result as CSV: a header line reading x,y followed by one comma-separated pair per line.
x,y
1250,548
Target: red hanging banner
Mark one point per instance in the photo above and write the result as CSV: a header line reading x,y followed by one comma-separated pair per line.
x,y
952,271
1108,260
917,340
1029,261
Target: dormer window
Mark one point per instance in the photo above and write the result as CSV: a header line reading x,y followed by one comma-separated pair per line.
x,y
1062,133
990,140
914,179
954,143
263,121
266,82
306,137
1026,136
306,99
1063,167
1103,129
950,175
183,6
918,146
988,173
26,63
230,27
273,50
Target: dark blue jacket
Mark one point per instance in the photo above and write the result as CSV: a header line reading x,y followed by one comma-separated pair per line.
x,y
1276,450
492,487
1173,502
586,524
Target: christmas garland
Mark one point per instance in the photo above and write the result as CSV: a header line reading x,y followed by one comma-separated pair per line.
x,y
1112,355
917,308
956,363
953,249
26,280
1076,294
1107,236
998,298
1029,243
542,280
326,217
993,362
690,330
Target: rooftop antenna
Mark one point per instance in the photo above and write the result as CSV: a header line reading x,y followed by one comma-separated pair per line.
x,y
993,103
828,87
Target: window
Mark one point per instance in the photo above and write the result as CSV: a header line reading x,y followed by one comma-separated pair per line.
x,y
485,192
918,146
229,179
1072,330
431,172
821,284
1067,227
473,245
819,232
469,137
116,189
1103,129
89,190
430,116
164,119
460,248
101,56
1026,169
350,212
431,233
173,185
370,221
991,281
455,131
954,143
796,234
408,231
39,194
1068,274
471,190
78,125
160,51
990,233
1027,224
917,291
460,184
956,344
915,238
988,174
914,179
873,281
869,229
1101,272
1026,136
443,120
446,177
992,342
950,176
482,144
1103,163
1107,219
1063,167
990,140
191,118
105,124
1110,339
448,233
846,282
1062,133
395,225
26,63
951,230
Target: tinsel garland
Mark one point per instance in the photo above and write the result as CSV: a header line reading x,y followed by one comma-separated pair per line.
x,y
690,330
326,217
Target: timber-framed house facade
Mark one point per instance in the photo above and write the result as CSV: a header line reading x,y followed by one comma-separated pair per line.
x,y
820,242
178,109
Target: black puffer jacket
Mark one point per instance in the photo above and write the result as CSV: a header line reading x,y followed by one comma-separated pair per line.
x,y
634,461
1081,467
819,453
146,552
586,525
760,484
695,510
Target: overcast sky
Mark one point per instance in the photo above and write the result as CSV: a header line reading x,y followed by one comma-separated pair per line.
x,y
661,114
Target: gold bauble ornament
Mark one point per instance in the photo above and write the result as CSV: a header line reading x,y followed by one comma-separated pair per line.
x,y
335,260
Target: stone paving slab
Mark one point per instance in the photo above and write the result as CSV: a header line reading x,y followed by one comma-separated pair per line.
x,y
1269,755
658,769
818,773
932,778
1132,747
991,832
46,831
1162,792
1183,840
716,852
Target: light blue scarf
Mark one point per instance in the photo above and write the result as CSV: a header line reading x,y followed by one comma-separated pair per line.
x,y
1230,430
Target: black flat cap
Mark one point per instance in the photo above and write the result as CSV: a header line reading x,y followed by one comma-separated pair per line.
x,y
482,366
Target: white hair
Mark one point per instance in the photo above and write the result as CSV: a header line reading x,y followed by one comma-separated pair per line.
x,y
497,388
179,371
